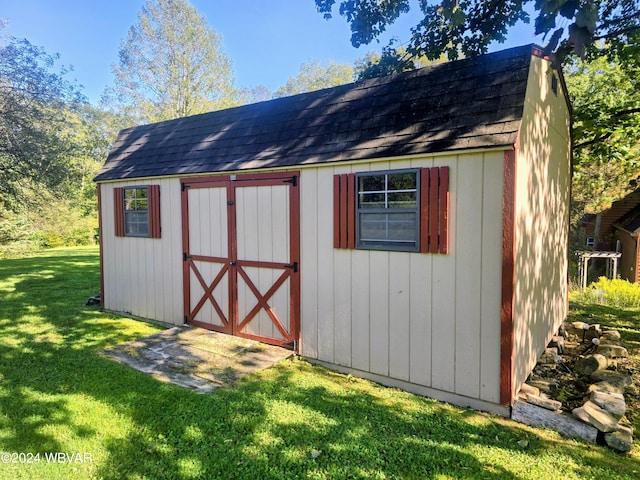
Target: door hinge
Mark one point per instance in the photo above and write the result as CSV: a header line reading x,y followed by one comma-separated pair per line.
x,y
184,186
186,319
185,256
293,181
293,266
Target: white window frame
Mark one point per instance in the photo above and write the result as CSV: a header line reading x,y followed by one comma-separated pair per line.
x,y
133,213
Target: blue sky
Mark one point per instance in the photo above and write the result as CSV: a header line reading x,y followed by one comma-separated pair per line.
x,y
267,40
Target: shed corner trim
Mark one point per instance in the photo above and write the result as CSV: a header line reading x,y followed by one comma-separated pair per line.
x,y
508,272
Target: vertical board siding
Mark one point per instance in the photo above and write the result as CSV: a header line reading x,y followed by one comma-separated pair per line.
x,y
323,258
143,276
413,317
379,312
399,314
542,186
492,193
309,198
360,291
469,228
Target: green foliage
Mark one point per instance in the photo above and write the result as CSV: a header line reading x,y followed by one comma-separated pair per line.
x,y
316,76
606,110
171,65
60,224
468,27
614,293
35,103
58,394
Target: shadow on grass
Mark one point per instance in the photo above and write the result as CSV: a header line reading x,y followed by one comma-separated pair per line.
x,y
292,421
627,320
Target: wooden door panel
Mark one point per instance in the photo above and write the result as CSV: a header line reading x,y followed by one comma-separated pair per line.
x,y
263,223
210,293
208,234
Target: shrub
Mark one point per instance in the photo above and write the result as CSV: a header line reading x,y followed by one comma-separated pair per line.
x,y
615,293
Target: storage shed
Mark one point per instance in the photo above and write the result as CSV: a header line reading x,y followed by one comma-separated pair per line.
x,y
410,229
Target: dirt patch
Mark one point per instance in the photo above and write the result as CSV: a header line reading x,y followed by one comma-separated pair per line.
x,y
196,358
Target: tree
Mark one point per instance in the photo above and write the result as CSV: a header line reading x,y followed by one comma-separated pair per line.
x,y
35,104
171,65
254,95
606,128
468,27
316,76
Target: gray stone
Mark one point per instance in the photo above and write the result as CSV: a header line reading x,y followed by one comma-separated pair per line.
x,y
563,423
578,329
612,351
544,402
612,402
557,342
618,379
562,331
546,386
621,440
529,390
593,332
612,335
594,415
589,364
549,357
605,386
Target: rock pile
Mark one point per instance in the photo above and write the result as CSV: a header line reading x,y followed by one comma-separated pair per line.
x,y
600,414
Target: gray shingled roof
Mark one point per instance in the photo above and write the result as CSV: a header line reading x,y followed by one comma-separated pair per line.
x,y
470,103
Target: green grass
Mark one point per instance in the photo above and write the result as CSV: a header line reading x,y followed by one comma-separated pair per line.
x,y
57,394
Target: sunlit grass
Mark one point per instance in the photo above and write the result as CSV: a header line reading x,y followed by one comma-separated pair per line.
x,y
57,394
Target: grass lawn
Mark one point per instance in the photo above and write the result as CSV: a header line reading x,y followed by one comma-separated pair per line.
x,y
292,421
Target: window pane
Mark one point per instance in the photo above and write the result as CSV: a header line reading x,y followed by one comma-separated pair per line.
x,y
129,193
371,200
403,226
136,198
139,204
394,227
403,200
402,181
136,223
371,183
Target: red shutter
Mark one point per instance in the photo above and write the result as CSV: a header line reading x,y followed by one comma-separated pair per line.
x,y
434,210
344,214
154,211
444,210
118,211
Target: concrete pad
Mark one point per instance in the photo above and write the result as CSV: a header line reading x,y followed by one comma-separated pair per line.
x,y
196,358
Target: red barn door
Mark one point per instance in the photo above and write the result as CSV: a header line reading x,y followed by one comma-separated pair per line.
x,y
241,242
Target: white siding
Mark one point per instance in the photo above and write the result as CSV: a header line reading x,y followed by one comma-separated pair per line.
x,y
143,276
543,177
426,319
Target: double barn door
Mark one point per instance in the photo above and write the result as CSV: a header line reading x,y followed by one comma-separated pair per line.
x,y
241,241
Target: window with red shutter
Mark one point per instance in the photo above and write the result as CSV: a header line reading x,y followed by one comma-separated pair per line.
x,y
137,211
403,210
